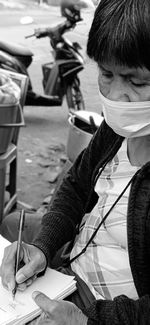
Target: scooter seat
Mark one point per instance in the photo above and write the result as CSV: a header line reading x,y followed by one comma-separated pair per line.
x,y
15,49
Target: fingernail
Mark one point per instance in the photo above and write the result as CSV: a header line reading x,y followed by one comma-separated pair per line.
x,y
10,286
29,282
35,294
20,278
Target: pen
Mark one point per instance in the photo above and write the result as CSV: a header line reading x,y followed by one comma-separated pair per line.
x,y
19,242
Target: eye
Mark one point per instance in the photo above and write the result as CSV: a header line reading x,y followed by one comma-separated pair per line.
x,y
105,76
137,84
108,75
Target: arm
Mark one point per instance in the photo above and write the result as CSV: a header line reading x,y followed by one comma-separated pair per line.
x,y
121,310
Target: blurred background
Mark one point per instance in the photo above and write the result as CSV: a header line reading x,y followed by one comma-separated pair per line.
x,y
42,142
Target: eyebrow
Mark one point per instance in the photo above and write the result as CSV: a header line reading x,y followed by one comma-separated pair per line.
x,y
101,67
126,74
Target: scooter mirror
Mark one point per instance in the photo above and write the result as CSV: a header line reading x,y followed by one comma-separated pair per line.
x,y
79,4
26,20
85,4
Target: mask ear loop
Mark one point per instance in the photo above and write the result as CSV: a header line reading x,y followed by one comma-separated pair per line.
x,y
102,221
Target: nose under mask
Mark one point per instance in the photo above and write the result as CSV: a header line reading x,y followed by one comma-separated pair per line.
x,y
128,119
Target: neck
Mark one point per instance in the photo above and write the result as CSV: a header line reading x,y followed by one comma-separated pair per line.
x,y
138,150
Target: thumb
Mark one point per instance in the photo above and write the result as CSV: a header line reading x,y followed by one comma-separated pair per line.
x,y
45,303
26,272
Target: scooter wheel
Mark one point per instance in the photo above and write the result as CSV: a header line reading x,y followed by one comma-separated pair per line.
x,y
74,96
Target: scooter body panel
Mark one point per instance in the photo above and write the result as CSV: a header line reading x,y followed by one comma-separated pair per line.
x,y
14,63
14,49
8,62
61,73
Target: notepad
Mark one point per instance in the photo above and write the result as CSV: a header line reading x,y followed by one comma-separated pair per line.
x,y
23,309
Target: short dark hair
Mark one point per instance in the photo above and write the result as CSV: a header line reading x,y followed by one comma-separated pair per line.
x,y
120,33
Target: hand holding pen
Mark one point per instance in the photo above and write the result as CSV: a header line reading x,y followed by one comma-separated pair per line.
x,y
21,263
19,243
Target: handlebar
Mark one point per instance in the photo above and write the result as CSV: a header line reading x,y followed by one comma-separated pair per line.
x,y
52,32
28,36
39,33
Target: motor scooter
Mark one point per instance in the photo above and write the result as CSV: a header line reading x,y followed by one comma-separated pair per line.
x,y
60,77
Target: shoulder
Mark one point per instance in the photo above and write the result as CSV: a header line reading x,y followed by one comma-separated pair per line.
x,y
105,137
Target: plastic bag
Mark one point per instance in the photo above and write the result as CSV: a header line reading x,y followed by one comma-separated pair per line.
x,y
9,91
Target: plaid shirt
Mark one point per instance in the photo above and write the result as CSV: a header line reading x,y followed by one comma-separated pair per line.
x,y
105,265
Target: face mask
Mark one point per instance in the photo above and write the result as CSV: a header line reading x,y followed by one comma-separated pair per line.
x,y
128,119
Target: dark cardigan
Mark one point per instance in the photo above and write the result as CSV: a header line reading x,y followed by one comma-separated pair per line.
x,y
75,197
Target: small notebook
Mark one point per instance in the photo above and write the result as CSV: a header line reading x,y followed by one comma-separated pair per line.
x,y
23,308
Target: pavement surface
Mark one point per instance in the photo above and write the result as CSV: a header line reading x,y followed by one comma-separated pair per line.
x,y
42,144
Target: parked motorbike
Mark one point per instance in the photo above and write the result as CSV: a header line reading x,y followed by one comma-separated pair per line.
x,y
60,77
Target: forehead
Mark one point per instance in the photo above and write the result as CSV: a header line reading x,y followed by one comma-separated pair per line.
x,y
140,72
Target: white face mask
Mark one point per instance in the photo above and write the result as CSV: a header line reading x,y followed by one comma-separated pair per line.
x,y
128,119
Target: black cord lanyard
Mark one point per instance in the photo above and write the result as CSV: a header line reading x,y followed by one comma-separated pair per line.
x,y
103,220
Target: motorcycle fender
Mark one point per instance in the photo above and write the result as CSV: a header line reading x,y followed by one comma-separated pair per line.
x,y
68,69
9,62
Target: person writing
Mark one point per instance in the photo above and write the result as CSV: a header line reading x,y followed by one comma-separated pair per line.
x,y
103,203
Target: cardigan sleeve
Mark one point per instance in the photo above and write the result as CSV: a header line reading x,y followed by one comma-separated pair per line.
x,y
120,311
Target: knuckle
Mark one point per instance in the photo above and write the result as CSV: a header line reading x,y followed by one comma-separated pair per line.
x,y
22,287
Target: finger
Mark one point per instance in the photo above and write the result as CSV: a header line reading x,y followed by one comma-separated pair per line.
x,y
42,318
26,272
31,268
7,269
30,281
45,303
24,285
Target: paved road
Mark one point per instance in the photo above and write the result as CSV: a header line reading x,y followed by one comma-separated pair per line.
x,y
11,17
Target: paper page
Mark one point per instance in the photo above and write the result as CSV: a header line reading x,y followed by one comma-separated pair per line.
x,y
5,316
52,284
